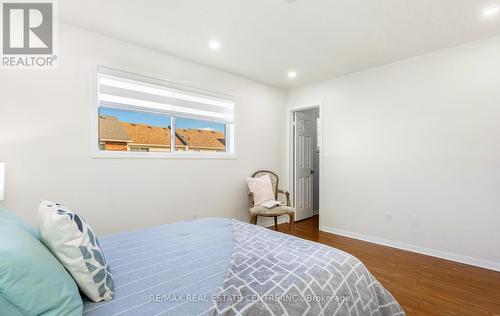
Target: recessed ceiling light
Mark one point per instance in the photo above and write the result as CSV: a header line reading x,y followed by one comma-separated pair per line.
x,y
292,74
214,45
491,11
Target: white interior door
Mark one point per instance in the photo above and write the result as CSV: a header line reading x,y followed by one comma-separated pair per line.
x,y
303,162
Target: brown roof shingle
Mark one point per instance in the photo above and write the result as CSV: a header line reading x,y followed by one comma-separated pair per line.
x,y
203,139
142,134
111,130
150,135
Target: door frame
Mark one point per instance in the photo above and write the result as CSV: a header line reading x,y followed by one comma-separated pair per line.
x,y
290,147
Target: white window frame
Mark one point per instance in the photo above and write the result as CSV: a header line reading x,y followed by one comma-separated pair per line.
x,y
98,153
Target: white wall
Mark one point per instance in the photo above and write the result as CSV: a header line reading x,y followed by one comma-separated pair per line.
x,y
45,137
421,139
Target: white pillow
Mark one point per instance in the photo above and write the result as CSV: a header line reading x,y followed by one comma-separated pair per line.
x,y
262,189
71,239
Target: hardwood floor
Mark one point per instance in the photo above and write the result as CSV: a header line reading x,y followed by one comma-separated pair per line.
x,y
423,285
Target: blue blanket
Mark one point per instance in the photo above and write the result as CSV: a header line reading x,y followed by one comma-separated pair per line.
x,y
172,269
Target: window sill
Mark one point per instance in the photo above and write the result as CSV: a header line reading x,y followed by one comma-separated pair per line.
x,y
157,155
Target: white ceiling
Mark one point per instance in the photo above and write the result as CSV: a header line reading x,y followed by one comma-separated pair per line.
x,y
264,39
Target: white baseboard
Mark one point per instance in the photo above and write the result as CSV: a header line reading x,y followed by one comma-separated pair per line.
x,y
491,265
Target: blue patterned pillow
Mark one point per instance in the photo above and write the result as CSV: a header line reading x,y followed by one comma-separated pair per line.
x,y
73,242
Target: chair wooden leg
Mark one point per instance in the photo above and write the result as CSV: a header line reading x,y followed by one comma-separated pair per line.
x,y
253,219
292,222
276,223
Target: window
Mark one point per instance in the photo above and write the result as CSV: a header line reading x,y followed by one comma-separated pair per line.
x,y
137,114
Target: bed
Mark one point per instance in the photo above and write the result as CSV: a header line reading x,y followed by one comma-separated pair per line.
x,y
226,267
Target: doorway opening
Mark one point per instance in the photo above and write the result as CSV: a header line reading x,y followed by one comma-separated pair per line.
x,y
306,143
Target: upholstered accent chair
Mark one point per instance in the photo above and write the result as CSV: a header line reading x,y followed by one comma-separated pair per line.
x,y
259,210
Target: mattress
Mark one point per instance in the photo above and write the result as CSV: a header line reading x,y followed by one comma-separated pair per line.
x,y
172,269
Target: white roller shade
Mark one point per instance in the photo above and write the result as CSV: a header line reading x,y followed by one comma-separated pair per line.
x,y
121,89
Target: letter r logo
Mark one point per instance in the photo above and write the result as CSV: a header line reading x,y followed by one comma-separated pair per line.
x,y
27,28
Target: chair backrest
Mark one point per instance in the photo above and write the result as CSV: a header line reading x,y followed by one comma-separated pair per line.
x,y
274,179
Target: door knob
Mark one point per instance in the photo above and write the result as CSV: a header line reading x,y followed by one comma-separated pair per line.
x,y
311,172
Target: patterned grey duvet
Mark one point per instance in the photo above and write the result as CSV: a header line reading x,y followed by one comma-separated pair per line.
x,y
226,267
